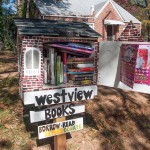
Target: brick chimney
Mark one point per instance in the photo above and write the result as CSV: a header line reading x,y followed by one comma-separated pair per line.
x,y
92,10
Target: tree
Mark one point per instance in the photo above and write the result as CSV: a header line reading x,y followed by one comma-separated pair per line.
x,y
141,10
7,27
146,21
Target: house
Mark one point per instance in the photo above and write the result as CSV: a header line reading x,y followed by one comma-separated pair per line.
x,y
53,53
105,16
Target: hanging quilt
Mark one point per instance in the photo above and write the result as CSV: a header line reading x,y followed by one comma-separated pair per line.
x,y
128,63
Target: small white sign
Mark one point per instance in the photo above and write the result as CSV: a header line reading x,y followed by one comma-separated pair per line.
x,y
57,96
56,111
58,128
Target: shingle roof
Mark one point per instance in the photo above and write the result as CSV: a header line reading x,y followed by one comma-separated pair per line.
x,y
125,14
54,28
78,8
65,7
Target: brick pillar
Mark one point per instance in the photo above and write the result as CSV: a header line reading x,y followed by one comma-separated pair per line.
x,y
31,82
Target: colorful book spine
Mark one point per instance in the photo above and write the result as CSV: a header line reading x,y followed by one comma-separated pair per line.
x,y
58,69
61,72
65,67
65,74
55,67
81,78
84,82
75,45
81,70
85,60
52,67
81,62
77,50
78,66
81,75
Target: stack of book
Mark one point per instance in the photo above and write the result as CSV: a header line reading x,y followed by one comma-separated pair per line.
x,y
65,63
55,71
80,70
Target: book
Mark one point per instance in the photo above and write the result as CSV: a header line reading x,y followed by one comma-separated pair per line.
x,y
58,70
61,72
67,48
84,65
82,46
65,74
85,60
81,65
64,67
81,75
84,82
55,66
81,78
52,66
82,70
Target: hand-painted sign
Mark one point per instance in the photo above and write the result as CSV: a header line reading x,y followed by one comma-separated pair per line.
x,y
58,128
56,111
56,96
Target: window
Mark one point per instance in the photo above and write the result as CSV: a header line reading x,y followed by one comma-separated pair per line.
x,y
110,33
32,62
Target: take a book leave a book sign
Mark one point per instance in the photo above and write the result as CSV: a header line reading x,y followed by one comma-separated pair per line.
x,y
57,96
56,111
58,128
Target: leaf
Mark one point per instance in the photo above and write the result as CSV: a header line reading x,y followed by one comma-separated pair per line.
x,y
7,126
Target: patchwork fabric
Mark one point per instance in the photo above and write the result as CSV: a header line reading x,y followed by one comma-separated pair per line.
x,y
141,76
143,53
128,63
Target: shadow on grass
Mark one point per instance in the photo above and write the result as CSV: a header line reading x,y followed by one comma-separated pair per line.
x,y
5,144
8,92
112,137
114,115
89,121
33,127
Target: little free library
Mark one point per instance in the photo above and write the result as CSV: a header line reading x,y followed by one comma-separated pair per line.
x,y
58,65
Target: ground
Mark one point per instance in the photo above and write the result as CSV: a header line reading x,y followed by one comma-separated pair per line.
x,y
115,120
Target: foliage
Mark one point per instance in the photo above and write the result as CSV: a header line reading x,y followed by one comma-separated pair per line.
x,y
7,27
24,9
140,12
32,8
146,21
9,82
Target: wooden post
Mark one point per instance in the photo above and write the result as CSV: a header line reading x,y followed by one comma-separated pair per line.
x,y
60,140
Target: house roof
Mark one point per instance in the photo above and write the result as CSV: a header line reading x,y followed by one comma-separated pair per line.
x,y
79,8
54,28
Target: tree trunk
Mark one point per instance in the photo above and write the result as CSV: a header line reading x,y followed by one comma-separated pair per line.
x,y
149,35
19,6
27,11
0,7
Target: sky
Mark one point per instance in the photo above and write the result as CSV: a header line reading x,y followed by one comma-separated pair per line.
x,y
11,6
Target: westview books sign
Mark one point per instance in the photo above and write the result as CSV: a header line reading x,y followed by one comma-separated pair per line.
x,y
58,128
56,111
57,96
